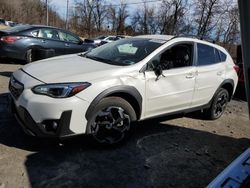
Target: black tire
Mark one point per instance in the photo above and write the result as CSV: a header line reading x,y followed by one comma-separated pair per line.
x,y
218,105
29,56
111,121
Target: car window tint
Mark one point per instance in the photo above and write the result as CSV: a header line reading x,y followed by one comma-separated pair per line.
x,y
68,38
125,52
223,56
112,38
217,56
49,34
206,55
180,55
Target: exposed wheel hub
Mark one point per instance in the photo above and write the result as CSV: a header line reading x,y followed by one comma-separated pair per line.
x,y
110,125
220,104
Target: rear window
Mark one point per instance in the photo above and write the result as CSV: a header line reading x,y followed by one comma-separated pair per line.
x,y
17,28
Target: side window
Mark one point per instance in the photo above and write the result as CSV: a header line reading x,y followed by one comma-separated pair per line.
x,y
49,34
206,55
180,55
112,38
68,38
223,56
35,33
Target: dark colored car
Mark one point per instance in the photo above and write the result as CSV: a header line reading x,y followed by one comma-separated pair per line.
x,y
25,41
2,21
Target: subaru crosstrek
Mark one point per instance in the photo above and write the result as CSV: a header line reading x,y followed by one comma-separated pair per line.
x,y
103,91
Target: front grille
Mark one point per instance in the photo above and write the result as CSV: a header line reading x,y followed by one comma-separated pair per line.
x,y
15,87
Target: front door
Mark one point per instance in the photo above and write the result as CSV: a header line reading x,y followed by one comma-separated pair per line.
x,y
173,90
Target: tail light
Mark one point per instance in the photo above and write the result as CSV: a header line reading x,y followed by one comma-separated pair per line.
x,y
236,68
10,39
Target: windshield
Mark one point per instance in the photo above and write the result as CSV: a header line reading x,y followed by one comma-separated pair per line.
x,y
17,28
125,51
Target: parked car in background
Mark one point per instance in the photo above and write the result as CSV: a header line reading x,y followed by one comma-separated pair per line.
x,y
11,23
101,92
105,39
30,42
2,21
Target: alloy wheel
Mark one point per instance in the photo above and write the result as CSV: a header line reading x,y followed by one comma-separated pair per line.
x,y
220,104
110,125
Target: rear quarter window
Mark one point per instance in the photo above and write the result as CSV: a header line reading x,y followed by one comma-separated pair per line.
x,y
223,56
217,56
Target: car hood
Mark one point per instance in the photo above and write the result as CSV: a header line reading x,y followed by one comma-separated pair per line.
x,y
68,68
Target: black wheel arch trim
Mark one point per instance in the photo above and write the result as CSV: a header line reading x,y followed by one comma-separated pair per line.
x,y
130,90
227,81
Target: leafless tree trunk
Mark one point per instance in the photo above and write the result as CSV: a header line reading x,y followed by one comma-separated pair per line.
x,y
144,20
205,10
99,14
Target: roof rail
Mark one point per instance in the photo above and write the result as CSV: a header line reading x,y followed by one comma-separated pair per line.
x,y
196,37
188,36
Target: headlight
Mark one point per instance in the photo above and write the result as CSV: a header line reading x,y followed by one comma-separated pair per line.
x,y
63,90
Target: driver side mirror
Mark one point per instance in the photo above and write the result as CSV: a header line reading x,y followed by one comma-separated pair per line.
x,y
156,67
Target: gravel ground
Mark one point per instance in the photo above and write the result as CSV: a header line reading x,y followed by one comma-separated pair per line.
x,y
171,152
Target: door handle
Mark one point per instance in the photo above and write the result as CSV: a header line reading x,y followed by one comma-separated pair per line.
x,y
67,45
190,75
43,41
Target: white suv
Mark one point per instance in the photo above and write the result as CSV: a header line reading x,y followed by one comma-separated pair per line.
x,y
103,91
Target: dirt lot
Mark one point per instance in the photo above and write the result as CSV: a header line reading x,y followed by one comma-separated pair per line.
x,y
178,152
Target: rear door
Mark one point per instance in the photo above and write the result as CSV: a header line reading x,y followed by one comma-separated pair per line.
x,y
209,75
49,39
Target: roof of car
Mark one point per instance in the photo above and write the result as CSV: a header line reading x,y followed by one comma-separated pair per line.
x,y
45,26
157,37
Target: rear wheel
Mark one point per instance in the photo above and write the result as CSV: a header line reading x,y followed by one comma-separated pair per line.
x,y
110,122
29,56
218,105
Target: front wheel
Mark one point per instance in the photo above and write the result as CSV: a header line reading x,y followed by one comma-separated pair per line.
x,y
218,105
110,122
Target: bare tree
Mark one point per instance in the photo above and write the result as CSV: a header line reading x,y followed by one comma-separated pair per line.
x,y
122,15
170,15
144,20
205,12
85,11
99,13
112,17
232,33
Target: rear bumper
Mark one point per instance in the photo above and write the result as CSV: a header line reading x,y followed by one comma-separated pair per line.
x,y
11,52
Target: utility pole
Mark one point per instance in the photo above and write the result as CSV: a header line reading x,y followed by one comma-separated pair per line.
x,y
67,15
47,12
